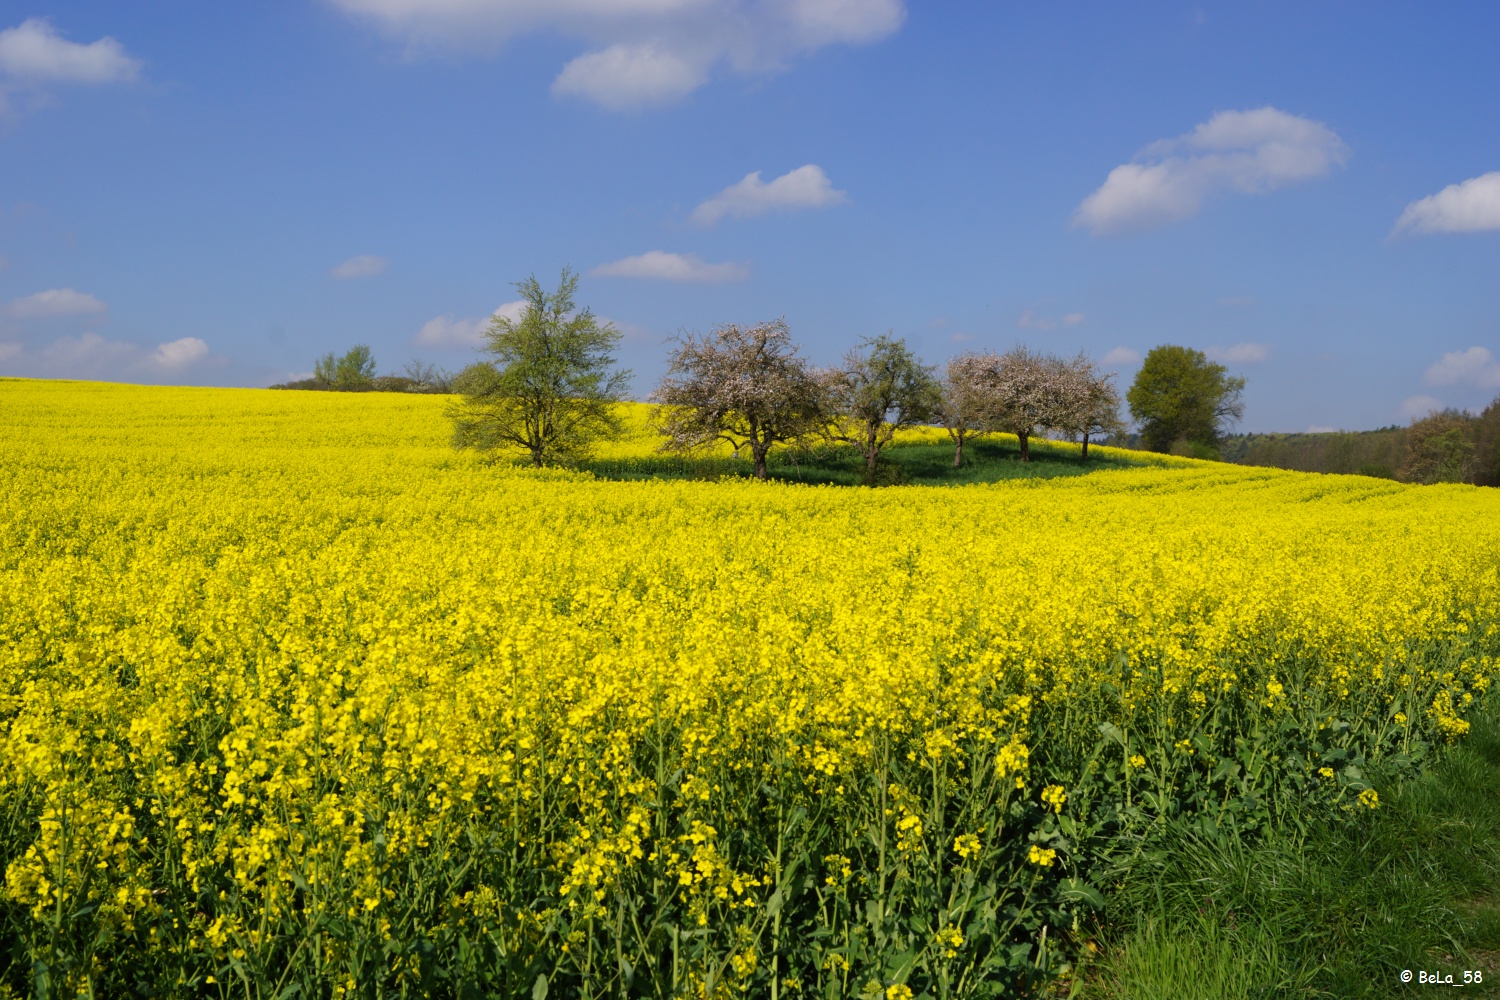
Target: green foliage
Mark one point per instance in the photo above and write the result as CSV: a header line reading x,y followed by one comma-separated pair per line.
x,y
1439,449
552,385
1179,395
1183,448
881,387
354,372
1376,470
1448,446
1207,959
1486,431
1339,908
986,460
324,369
1376,453
351,372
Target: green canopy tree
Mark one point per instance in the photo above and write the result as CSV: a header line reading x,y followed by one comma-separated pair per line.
x,y
552,386
1180,395
351,372
881,387
1439,449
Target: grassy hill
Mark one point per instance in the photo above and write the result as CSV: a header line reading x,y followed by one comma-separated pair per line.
x,y
919,456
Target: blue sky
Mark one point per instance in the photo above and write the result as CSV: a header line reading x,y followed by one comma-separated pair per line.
x,y
217,194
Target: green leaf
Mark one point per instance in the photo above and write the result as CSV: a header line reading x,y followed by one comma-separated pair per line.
x,y
1076,890
1111,731
539,988
897,966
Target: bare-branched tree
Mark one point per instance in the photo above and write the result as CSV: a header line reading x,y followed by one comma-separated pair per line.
x,y
880,388
1089,402
967,408
747,386
426,377
552,387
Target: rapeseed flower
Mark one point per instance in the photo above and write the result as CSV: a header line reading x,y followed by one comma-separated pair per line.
x,y
280,670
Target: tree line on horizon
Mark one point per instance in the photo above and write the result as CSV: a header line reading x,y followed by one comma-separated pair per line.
x,y
354,371
550,384
1445,446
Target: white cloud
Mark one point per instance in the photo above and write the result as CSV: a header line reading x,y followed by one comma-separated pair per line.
x,y
806,187
85,356
179,353
449,331
1029,320
1469,207
91,356
512,311
642,52
1122,356
630,77
34,52
1249,152
55,302
1418,406
363,266
662,266
1240,353
1320,429
1475,367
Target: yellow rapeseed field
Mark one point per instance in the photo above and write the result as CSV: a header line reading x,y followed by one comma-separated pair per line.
x,y
295,695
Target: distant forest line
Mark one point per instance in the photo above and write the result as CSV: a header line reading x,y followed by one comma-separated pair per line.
x,y
1446,446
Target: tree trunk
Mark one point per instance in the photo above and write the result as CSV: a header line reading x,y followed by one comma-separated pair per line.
x,y
1025,439
1085,446
759,454
958,453
536,457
